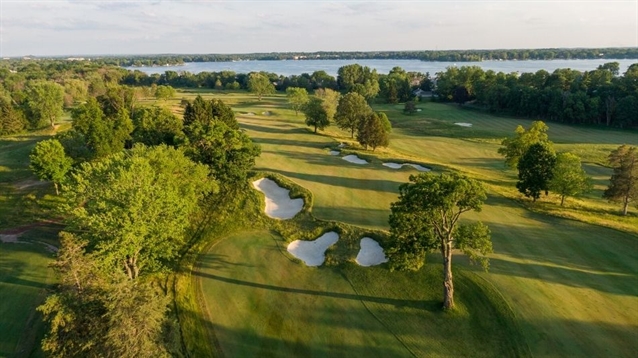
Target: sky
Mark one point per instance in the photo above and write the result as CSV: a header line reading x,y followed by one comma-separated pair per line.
x,y
92,27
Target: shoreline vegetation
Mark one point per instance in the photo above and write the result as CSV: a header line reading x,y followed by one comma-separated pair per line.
x,y
609,53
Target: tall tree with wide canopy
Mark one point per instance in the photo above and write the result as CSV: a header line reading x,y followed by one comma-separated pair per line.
x,y
569,177
330,101
133,208
536,170
514,148
260,85
297,98
316,114
352,109
156,125
426,218
623,184
362,80
49,162
45,102
373,132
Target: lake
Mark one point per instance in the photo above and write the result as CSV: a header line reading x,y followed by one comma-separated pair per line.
x,y
291,67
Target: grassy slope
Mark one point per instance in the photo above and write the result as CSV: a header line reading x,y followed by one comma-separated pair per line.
x,y
266,304
24,272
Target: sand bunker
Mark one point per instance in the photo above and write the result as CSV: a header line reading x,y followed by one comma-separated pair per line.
x,y
335,152
371,253
278,202
341,145
415,166
354,159
313,252
464,124
266,113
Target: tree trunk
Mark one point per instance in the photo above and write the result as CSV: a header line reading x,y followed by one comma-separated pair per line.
x,y
315,128
352,132
57,192
625,206
562,200
448,284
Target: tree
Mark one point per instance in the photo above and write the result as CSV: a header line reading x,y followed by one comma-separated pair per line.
x,y
535,170
623,184
11,119
409,107
49,162
385,122
156,125
297,98
425,219
316,114
351,110
363,80
260,85
45,102
372,132
514,148
164,92
133,208
330,101
568,177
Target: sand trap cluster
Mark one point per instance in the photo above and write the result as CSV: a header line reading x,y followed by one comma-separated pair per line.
x,y
462,124
354,159
335,152
278,202
415,166
371,253
313,253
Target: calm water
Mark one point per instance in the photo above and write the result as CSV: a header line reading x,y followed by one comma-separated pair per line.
x,y
287,68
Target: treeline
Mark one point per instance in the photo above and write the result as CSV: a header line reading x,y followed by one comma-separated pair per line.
x,y
601,96
434,55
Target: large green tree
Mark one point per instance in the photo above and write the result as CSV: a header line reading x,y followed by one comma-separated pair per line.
x,y
316,114
536,170
260,85
426,218
45,102
623,184
156,125
372,132
164,92
569,177
49,162
330,101
359,79
514,148
352,109
11,118
297,98
134,207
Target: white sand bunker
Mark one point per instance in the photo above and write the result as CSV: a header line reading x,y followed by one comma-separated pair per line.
x,y
464,124
371,253
313,252
335,152
415,166
278,202
341,145
354,159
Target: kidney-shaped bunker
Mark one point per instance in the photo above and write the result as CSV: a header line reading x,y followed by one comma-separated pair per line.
x,y
278,202
313,253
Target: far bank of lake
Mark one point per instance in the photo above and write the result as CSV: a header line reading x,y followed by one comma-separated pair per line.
x,y
290,67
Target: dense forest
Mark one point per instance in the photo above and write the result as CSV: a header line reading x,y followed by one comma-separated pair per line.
x,y
433,55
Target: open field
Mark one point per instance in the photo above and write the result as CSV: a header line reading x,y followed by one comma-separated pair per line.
x,y
572,285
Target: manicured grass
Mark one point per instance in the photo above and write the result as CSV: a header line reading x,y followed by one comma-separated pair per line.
x,y
572,285
262,303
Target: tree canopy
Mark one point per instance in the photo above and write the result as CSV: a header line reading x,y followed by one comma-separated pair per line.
x,y
49,162
260,85
514,148
316,114
569,177
426,218
373,132
623,184
536,170
297,98
46,101
352,109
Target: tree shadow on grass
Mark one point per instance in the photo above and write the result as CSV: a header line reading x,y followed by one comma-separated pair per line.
x,y
417,304
277,128
385,185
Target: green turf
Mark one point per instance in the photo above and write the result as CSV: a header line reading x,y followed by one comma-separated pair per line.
x,y
267,305
572,285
